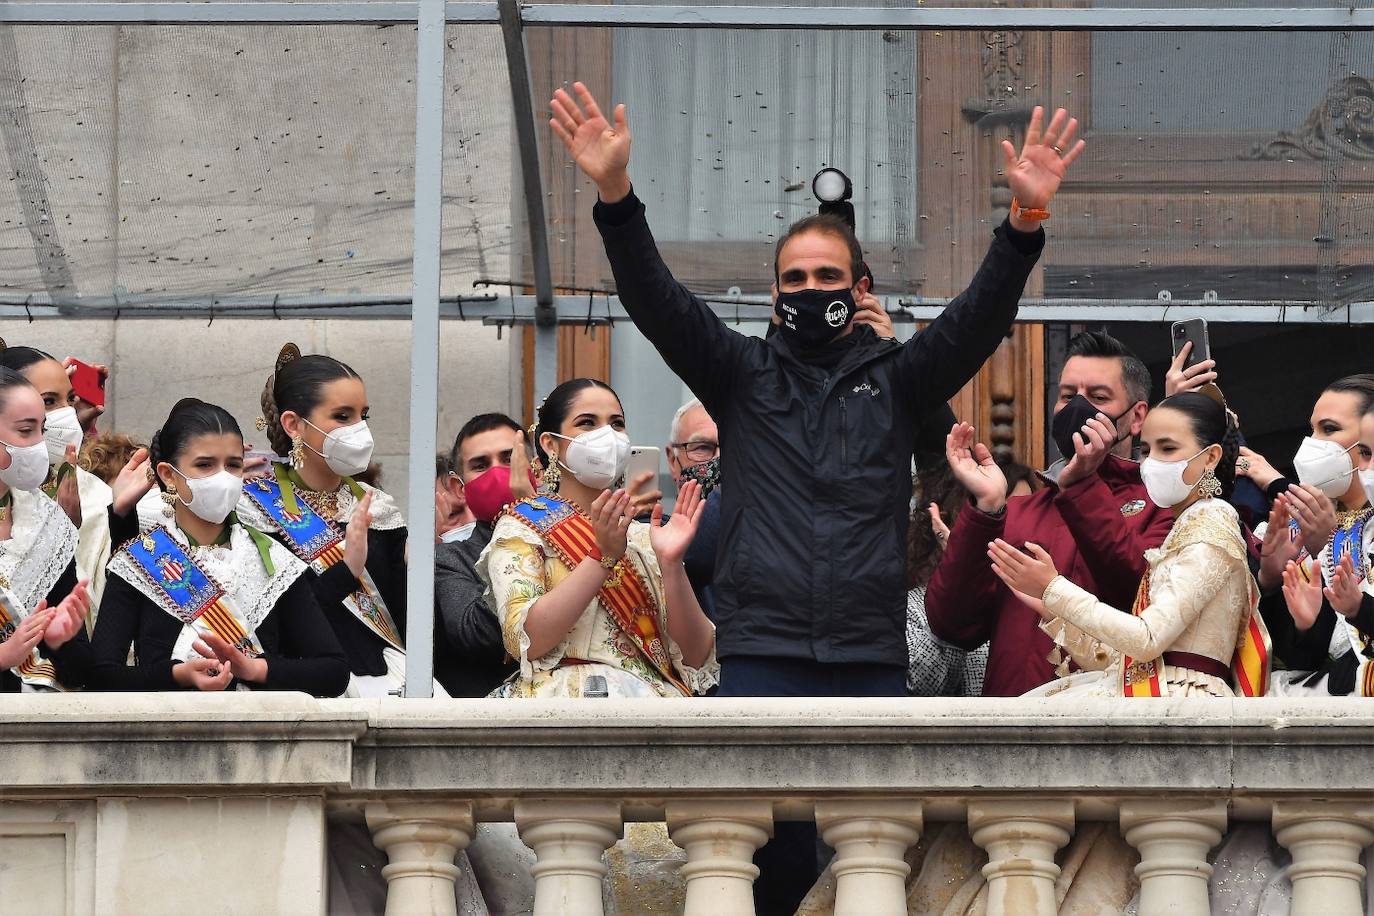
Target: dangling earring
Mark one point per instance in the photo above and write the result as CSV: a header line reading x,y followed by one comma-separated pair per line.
x,y
1209,487
552,476
169,499
297,452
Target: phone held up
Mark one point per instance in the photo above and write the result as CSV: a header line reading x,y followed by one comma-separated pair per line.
x,y
88,383
1194,331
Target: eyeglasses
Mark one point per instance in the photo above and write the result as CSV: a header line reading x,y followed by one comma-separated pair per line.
x,y
699,450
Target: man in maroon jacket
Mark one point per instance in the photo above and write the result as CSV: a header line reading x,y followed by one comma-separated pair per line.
x,y
1095,518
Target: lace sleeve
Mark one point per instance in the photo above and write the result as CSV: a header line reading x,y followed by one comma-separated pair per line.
x,y
1180,587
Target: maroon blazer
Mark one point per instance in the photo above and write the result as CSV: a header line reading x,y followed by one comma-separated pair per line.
x,y
1097,530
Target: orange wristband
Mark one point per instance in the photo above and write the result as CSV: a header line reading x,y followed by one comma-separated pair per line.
x,y
1038,214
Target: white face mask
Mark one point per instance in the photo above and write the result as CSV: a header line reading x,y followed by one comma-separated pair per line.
x,y
1367,481
461,533
598,458
1164,481
1325,465
346,450
28,466
61,429
212,497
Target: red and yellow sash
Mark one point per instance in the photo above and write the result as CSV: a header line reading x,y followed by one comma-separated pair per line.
x,y
1249,663
624,594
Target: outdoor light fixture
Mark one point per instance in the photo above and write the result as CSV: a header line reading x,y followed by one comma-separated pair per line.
x,y
834,189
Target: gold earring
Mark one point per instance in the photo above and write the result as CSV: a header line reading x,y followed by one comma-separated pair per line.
x,y
297,452
1209,486
169,499
552,476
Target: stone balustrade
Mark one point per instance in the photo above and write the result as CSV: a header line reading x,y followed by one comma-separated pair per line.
x,y
142,804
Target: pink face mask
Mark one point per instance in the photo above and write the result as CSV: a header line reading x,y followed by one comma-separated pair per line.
x,y
489,492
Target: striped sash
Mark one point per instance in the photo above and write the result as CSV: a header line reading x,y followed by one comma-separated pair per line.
x,y
624,595
320,544
181,588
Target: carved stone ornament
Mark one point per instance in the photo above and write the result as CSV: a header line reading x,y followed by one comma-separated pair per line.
x,y
1343,124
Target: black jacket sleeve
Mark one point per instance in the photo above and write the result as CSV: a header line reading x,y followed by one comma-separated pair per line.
x,y
127,619
1364,618
939,360
1298,650
336,584
123,528
306,655
691,338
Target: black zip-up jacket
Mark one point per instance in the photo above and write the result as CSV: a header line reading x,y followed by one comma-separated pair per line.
x,y
815,453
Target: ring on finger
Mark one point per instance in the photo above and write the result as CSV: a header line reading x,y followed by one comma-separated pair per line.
x,y
1057,150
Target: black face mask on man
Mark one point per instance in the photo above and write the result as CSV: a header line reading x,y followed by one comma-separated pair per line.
x,y
1072,417
814,317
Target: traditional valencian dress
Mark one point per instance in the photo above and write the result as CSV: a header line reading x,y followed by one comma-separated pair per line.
x,y
164,593
1194,629
1336,656
622,636
37,562
368,613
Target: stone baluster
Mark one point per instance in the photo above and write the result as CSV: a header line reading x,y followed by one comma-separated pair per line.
x,y
568,839
720,838
421,840
1021,838
1174,838
871,837
1326,840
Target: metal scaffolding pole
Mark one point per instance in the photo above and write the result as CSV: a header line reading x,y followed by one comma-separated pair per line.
x,y
527,136
424,347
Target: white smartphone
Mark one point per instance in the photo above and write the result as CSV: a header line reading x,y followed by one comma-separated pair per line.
x,y
642,458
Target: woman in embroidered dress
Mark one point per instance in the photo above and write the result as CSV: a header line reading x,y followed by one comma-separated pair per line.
x,y
590,601
1194,616
315,413
87,500
1322,617
266,631
43,644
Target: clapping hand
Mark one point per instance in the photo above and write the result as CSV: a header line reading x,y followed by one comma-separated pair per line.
x,y
1026,576
1278,549
671,540
132,483
69,616
26,635
1314,513
355,536
1344,591
1303,594
611,523
972,464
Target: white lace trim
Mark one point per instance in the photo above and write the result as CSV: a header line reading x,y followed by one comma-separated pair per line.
x,y
236,566
41,545
386,512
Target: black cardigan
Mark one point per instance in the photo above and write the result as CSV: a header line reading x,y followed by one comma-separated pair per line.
x,y
299,646
386,561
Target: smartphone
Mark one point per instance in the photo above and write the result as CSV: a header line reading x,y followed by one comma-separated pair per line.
x,y
642,458
1193,330
88,383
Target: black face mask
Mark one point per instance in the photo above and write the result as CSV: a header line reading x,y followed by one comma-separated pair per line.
x,y
1072,417
814,317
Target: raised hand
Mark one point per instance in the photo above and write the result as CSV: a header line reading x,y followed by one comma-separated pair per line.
x,y
520,486
207,674
68,495
938,525
1302,595
1027,576
1034,175
231,658
611,523
86,412
132,482
1278,548
972,464
1344,591
670,541
355,536
1091,446
601,151
1178,379
26,635
69,616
